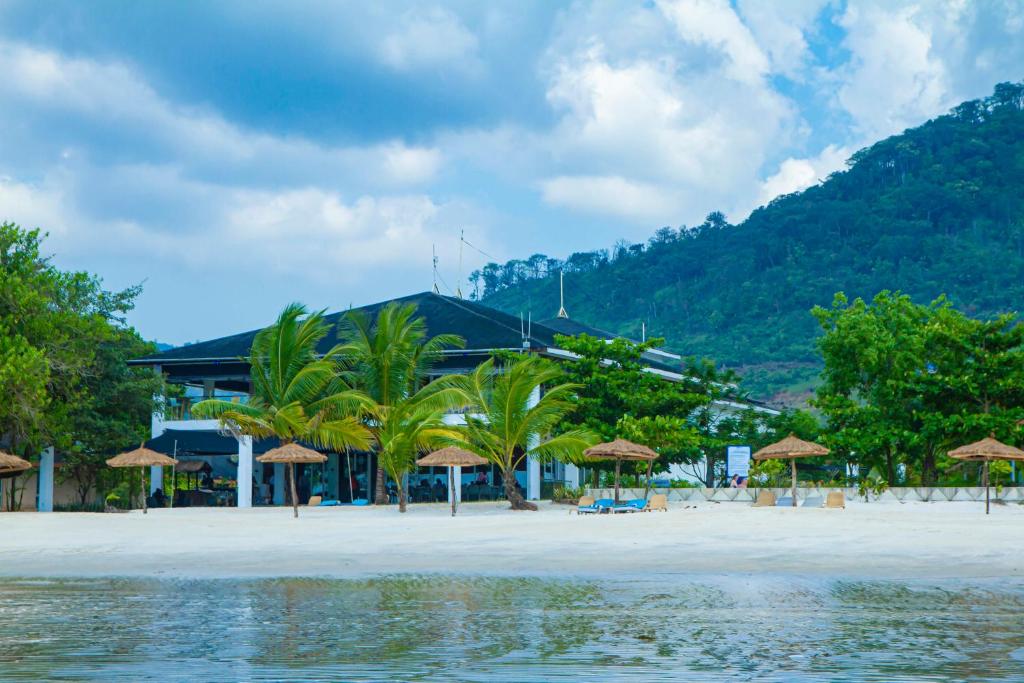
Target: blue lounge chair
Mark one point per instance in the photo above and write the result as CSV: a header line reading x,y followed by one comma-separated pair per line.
x,y
635,505
599,506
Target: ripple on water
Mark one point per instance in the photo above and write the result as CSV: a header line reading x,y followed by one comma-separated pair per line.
x,y
483,629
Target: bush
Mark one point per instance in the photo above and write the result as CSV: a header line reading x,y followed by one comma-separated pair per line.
x,y
567,493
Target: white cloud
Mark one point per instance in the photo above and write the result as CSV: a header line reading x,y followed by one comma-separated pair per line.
x,y
112,98
715,24
894,80
799,174
428,37
613,195
680,131
781,29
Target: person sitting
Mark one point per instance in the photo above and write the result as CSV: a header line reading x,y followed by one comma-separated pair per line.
x,y
440,491
159,499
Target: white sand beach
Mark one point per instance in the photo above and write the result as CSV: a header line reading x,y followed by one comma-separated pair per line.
x,y
877,540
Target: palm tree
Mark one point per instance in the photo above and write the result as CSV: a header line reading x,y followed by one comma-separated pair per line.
x,y
410,428
297,394
506,423
390,359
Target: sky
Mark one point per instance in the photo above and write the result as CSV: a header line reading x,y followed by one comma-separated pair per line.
x,y
233,157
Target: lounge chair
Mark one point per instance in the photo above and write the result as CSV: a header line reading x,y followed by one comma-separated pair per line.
x,y
584,505
314,501
635,505
813,502
765,499
659,501
835,499
599,506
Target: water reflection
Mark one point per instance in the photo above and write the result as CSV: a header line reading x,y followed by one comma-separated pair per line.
x,y
483,629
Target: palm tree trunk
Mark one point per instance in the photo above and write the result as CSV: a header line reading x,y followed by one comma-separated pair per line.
x,y
618,472
380,495
401,498
516,501
295,496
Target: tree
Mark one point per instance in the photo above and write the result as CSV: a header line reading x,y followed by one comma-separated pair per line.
x,y
56,328
113,411
297,394
516,411
389,360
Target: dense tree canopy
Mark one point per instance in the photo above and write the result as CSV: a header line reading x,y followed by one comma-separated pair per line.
x,y
63,377
938,209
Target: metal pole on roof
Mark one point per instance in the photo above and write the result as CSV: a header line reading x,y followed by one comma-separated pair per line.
x,y
561,295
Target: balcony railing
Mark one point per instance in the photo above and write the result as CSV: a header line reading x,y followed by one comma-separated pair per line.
x,y
181,408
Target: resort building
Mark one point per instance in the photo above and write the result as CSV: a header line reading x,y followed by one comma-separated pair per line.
x,y
216,368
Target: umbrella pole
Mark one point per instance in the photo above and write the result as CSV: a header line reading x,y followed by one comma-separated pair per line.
x,y
618,467
647,488
986,486
792,462
348,475
295,496
451,487
142,482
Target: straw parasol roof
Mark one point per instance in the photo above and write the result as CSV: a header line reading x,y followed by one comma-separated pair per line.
x,y
451,456
141,457
620,449
292,453
791,447
12,463
987,449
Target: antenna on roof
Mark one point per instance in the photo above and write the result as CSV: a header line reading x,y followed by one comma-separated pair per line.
x,y
434,248
458,282
561,295
643,331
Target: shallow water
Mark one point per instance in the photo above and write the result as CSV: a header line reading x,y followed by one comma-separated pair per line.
x,y
529,629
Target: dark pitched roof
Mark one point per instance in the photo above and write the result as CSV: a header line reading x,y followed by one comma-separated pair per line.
x,y
572,328
482,328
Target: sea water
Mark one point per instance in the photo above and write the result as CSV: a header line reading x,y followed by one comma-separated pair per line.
x,y
455,628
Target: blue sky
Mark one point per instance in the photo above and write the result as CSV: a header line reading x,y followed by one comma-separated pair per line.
x,y
235,156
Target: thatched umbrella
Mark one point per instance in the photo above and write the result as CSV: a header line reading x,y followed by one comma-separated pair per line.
x,y
790,449
12,464
141,457
619,450
451,457
292,453
987,450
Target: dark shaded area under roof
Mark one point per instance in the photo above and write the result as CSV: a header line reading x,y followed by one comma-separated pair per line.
x,y
185,442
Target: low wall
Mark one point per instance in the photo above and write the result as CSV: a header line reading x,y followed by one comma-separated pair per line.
x,y
1010,494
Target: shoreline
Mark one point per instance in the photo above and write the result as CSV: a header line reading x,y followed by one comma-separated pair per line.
x,y
877,540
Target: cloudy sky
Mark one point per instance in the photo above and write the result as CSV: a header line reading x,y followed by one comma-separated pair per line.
x,y
235,156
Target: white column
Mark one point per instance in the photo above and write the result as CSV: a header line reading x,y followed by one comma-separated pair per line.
x,y
532,464
456,488
156,428
572,476
45,502
278,483
244,477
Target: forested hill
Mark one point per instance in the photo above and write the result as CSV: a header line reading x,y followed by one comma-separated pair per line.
x,y
936,210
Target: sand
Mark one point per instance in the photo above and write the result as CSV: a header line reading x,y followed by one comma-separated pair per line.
x,y
868,540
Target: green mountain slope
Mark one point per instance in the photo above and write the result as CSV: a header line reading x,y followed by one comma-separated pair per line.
x,y
936,210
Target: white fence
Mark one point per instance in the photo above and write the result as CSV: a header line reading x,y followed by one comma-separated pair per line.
x,y
1009,494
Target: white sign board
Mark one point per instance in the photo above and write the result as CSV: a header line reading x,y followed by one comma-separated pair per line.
x,y
737,461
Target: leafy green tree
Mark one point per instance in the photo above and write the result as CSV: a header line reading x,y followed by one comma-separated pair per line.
x,y
56,328
112,412
297,394
617,396
504,424
390,360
